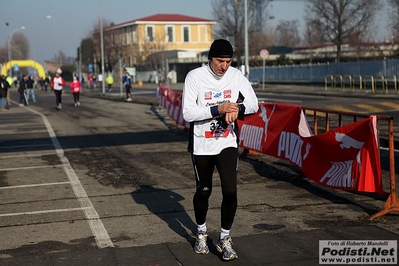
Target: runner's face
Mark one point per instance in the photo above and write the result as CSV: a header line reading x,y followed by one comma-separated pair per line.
x,y
219,66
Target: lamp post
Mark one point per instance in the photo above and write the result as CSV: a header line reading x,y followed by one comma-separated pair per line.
x,y
9,46
53,15
102,48
34,38
246,40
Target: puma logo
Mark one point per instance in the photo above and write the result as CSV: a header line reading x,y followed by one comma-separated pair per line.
x,y
348,142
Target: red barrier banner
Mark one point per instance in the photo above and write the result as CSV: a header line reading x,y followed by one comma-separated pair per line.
x,y
344,158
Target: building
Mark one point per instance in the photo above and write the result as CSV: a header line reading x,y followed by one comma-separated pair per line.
x,y
147,43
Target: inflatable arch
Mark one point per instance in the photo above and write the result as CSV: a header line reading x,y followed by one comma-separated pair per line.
x,y
24,63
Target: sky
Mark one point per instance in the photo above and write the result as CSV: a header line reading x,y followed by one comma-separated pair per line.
x,y
72,20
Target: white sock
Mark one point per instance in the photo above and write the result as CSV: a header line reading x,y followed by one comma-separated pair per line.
x,y
201,228
224,232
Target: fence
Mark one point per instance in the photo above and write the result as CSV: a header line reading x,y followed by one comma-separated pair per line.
x,y
172,102
352,74
392,203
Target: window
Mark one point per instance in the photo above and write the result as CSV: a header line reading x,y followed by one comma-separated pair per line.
x,y
149,33
128,35
202,36
169,34
186,34
135,40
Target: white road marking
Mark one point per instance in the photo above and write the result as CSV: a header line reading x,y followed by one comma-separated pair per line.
x,y
97,227
41,212
36,185
31,167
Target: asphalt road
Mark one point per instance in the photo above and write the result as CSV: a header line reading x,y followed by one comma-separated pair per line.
x,y
116,175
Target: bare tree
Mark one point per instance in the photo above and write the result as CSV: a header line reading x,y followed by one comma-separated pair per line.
x,y
152,55
87,52
61,58
287,33
394,18
19,47
231,21
3,54
341,20
110,52
313,34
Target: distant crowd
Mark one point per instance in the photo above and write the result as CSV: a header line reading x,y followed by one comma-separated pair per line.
x,y
26,86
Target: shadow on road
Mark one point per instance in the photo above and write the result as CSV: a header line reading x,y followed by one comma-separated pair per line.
x,y
165,204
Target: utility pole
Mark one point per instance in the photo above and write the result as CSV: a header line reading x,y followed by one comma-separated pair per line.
x,y
246,39
102,47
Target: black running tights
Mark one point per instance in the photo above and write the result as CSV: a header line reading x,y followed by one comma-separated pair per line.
x,y
227,165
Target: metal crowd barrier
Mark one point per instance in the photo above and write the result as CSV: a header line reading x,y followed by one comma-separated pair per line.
x,y
392,203
362,82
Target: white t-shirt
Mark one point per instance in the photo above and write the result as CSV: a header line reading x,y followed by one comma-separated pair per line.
x,y
57,81
203,89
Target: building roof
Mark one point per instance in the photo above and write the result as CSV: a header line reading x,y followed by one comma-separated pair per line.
x,y
171,18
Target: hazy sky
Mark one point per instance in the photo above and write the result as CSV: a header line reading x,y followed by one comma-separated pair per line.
x,y
74,19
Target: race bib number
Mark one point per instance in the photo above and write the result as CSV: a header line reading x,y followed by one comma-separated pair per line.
x,y
217,130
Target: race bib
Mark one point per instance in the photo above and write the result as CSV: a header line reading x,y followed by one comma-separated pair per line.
x,y
217,129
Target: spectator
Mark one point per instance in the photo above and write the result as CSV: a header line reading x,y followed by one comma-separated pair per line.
x,y
22,91
127,80
41,84
30,89
4,86
90,81
46,82
100,79
15,81
110,82
10,81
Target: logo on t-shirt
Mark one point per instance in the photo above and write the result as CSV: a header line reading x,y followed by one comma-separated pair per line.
x,y
227,94
208,95
217,95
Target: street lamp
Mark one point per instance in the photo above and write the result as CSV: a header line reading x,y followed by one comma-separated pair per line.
x,y
53,12
246,40
9,46
102,48
34,38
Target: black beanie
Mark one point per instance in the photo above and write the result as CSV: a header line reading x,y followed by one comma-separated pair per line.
x,y
221,48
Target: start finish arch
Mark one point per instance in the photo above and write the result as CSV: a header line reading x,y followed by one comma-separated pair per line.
x,y
23,63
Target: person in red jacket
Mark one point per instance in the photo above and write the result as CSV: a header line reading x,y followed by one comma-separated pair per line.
x,y
76,86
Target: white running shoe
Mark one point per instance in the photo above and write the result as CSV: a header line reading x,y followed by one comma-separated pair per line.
x,y
201,247
225,246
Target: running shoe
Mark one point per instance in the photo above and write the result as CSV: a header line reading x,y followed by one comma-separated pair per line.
x,y
201,247
225,246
